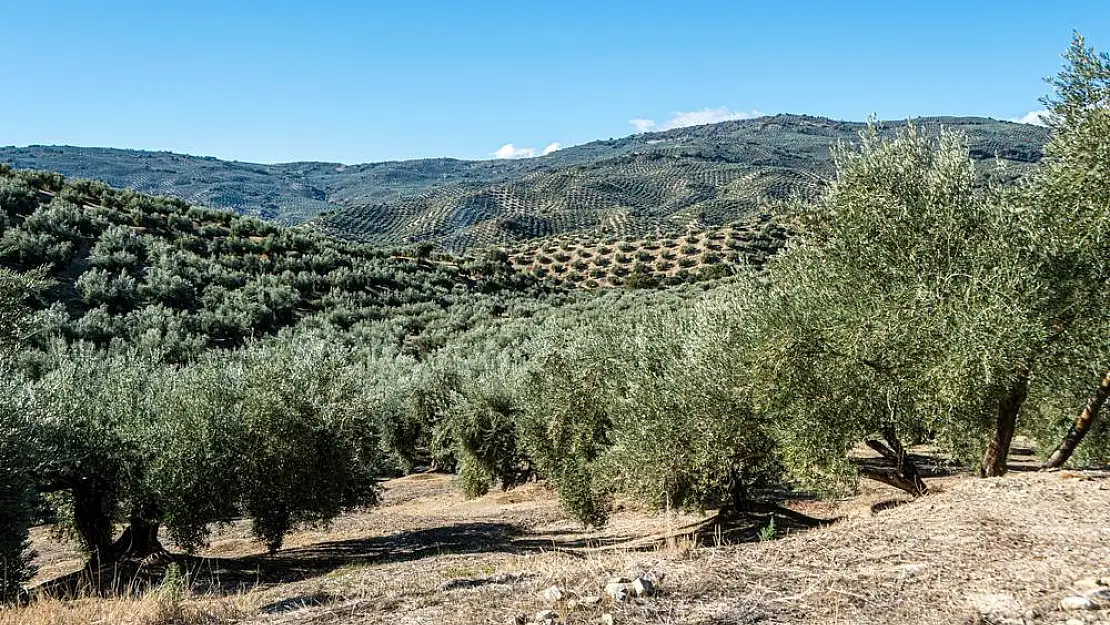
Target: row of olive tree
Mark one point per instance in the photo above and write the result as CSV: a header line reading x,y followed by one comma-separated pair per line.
x,y
286,430
278,432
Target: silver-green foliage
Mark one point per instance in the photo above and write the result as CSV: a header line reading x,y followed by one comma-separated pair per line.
x,y
566,422
917,299
1070,195
686,433
16,493
656,407
899,306
279,431
310,449
16,489
483,425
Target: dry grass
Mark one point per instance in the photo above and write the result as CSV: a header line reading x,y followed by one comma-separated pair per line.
x,y
151,610
974,551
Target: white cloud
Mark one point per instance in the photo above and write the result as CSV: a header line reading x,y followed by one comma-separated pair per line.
x,y
1037,118
682,119
511,151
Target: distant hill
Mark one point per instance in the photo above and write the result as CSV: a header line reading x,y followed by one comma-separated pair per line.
x,y
653,182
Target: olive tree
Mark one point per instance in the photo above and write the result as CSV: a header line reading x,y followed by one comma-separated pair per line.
x,y
1071,195
276,431
685,430
480,422
915,300
566,423
310,448
657,406
16,492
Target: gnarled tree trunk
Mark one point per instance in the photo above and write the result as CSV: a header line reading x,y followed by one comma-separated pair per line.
x,y
903,475
139,539
93,504
998,449
91,516
1081,426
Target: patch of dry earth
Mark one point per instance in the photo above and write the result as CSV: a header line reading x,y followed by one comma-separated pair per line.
x,y
975,551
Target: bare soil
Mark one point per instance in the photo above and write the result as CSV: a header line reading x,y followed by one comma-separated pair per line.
x,y
972,551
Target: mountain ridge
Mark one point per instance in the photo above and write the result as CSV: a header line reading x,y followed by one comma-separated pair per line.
x,y
664,180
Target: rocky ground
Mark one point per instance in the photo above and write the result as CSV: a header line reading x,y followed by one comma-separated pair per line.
x,y
1029,548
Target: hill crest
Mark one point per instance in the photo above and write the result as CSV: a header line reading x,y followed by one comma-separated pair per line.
x,y
683,177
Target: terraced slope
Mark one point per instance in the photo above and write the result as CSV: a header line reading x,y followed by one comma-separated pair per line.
x,y
584,261
685,177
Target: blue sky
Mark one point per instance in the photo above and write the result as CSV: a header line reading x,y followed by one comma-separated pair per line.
x,y
358,81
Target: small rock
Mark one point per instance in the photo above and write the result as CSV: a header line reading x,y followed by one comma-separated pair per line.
x,y
519,619
1099,595
545,616
607,619
553,594
589,600
618,591
643,587
1077,603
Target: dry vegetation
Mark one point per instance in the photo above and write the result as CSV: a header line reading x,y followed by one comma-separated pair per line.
x,y
974,551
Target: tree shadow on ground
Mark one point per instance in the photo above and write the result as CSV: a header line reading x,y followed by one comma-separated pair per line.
x,y
763,522
230,575
227,575
760,521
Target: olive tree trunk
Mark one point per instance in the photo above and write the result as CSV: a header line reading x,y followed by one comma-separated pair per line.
x,y
93,504
139,538
998,449
1081,426
903,474
93,521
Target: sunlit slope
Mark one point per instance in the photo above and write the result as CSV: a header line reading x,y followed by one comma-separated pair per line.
x,y
685,177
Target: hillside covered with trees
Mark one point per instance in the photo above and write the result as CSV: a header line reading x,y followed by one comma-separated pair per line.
x,y
123,266
671,181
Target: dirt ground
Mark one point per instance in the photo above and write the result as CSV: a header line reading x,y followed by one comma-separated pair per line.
x,y
972,551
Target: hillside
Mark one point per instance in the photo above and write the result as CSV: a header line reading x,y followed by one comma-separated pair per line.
x,y
127,266
701,175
